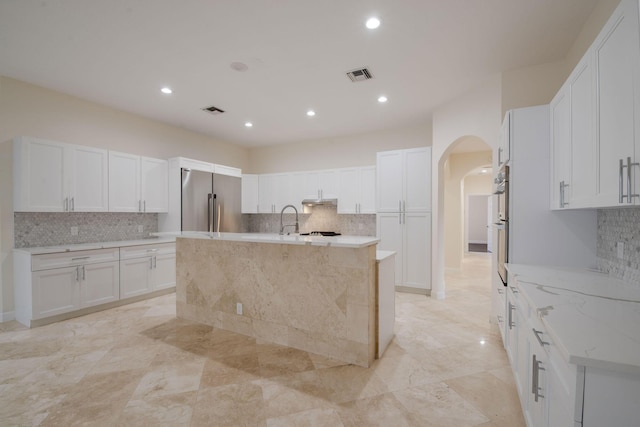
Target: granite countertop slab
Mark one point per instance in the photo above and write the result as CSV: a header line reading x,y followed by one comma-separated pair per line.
x,y
593,319
98,245
293,239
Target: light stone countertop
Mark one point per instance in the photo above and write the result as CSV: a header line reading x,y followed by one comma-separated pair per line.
x,y
593,319
382,255
98,245
293,239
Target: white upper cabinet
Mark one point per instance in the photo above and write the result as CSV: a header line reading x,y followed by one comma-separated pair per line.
x,y
124,182
154,184
504,143
598,117
55,177
274,192
356,190
321,184
560,111
617,60
404,180
250,194
138,184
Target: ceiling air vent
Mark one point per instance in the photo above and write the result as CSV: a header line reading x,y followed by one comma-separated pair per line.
x,y
213,110
359,75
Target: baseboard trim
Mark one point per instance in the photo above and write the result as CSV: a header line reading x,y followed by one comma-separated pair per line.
x,y
97,308
412,290
7,316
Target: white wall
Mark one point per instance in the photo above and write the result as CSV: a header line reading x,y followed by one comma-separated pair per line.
x,y
353,150
477,219
31,110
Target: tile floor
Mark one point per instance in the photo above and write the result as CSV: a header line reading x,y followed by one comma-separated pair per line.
x,y
137,365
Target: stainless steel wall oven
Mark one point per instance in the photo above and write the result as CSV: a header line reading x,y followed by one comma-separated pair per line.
x,y
502,190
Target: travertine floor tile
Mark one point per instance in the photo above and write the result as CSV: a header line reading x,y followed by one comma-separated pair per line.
x,y
138,365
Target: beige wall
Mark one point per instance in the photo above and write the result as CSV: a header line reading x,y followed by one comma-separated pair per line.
x,y
354,150
30,110
459,166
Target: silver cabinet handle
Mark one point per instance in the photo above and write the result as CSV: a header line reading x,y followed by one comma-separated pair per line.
x,y
630,194
399,205
500,155
73,204
144,204
537,334
66,204
536,367
561,194
84,272
152,250
151,263
621,196
77,273
155,262
511,323
80,257
258,208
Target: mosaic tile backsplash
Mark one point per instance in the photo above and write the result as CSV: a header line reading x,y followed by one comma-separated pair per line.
x,y
50,229
620,225
320,218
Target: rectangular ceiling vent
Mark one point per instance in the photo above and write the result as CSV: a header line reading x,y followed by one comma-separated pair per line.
x,y
359,75
213,110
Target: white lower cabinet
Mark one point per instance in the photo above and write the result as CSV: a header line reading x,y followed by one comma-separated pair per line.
x,y
554,392
147,268
55,284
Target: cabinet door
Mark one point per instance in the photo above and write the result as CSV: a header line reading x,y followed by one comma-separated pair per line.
x,y
124,182
417,184
348,193
55,291
266,188
38,176
89,179
583,148
154,184
560,110
282,195
504,143
417,249
100,283
250,199
163,274
328,183
390,234
617,57
135,276
311,185
367,190
389,167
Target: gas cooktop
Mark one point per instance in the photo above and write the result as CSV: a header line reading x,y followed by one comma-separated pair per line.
x,y
321,233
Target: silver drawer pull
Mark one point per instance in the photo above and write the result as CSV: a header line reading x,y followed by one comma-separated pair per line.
x,y
537,334
153,250
80,257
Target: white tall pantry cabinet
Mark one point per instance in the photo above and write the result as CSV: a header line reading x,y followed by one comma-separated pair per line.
x,y
404,214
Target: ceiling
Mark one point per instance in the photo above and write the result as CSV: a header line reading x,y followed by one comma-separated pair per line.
x,y
425,52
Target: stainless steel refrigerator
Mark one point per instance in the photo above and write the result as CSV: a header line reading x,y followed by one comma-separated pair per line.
x,y
210,202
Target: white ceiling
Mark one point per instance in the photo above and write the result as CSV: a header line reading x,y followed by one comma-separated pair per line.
x,y
121,52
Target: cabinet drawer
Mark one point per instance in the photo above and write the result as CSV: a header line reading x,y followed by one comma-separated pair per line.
x,y
130,252
70,259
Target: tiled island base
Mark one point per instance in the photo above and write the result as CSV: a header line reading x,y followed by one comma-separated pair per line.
x,y
319,299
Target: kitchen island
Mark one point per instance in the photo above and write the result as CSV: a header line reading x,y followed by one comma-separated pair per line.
x,y
312,293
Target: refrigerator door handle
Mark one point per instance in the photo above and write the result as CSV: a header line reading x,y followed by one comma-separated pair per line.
x,y
215,222
210,213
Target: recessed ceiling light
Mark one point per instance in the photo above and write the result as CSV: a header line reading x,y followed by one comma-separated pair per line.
x,y
382,99
166,90
311,113
372,23
248,124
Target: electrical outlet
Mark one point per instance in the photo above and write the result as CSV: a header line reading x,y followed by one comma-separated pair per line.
x,y
74,231
140,229
620,248
239,308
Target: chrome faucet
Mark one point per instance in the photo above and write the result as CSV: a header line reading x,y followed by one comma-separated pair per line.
x,y
289,225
